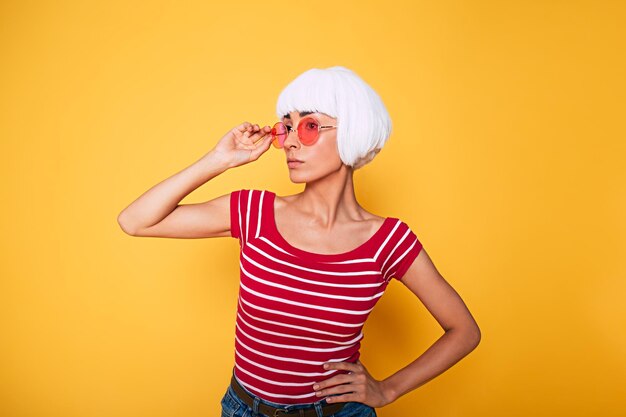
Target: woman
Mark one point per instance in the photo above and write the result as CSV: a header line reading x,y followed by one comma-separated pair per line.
x,y
313,264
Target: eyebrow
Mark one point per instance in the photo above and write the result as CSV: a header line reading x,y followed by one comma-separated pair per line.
x,y
302,114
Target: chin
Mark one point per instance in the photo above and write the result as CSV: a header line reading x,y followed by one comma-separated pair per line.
x,y
298,179
306,177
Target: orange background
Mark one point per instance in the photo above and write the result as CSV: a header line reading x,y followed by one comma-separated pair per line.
x,y
506,159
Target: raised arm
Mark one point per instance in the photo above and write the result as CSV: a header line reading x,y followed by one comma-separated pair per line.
x,y
158,212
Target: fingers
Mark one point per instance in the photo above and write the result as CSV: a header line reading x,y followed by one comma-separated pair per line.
x,y
254,132
255,128
261,142
247,127
331,382
348,366
243,127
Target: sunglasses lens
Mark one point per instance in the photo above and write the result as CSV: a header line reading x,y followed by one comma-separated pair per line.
x,y
279,134
308,131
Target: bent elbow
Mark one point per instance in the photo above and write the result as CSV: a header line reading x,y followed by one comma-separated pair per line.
x,y
475,336
124,226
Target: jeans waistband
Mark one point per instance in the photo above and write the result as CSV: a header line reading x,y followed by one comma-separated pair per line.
x,y
281,405
317,405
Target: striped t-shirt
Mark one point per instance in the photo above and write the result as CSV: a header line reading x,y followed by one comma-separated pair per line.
x,y
297,309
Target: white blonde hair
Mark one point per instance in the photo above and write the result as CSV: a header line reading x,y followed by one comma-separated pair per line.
x,y
363,124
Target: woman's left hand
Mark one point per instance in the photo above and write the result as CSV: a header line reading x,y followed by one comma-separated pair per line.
x,y
358,385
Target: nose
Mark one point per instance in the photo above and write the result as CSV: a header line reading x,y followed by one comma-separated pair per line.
x,y
292,139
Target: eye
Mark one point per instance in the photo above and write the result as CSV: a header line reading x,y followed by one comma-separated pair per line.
x,y
311,126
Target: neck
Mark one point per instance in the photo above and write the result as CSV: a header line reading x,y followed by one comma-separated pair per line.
x,y
331,199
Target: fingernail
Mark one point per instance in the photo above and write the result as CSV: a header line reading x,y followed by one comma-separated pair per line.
x,y
325,366
316,386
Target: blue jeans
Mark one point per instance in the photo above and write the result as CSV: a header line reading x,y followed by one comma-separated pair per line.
x,y
234,406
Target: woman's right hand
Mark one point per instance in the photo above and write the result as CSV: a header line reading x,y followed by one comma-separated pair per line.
x,y
244,143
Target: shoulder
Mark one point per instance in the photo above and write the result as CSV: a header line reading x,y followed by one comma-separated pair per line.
x,y
248,200
250,192
282,200
374,221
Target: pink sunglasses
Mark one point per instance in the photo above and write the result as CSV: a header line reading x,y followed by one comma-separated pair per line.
x,y
308,132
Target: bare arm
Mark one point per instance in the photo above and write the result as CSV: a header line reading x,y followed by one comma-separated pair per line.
x,y
158,212
461,336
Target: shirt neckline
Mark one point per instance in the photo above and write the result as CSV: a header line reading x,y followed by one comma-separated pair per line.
x,y
273,229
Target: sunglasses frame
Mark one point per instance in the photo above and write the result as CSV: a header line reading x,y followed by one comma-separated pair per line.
x,y
287,128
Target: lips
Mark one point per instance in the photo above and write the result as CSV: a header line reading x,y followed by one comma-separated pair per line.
x,y
293,163
294,160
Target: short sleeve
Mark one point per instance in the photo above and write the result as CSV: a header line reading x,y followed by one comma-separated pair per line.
x,y
235,224
245,214
405,248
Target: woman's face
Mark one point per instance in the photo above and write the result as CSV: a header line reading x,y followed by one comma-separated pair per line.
x,y
319,159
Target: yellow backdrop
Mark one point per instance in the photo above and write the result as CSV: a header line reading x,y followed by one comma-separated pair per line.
x,y
506,159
